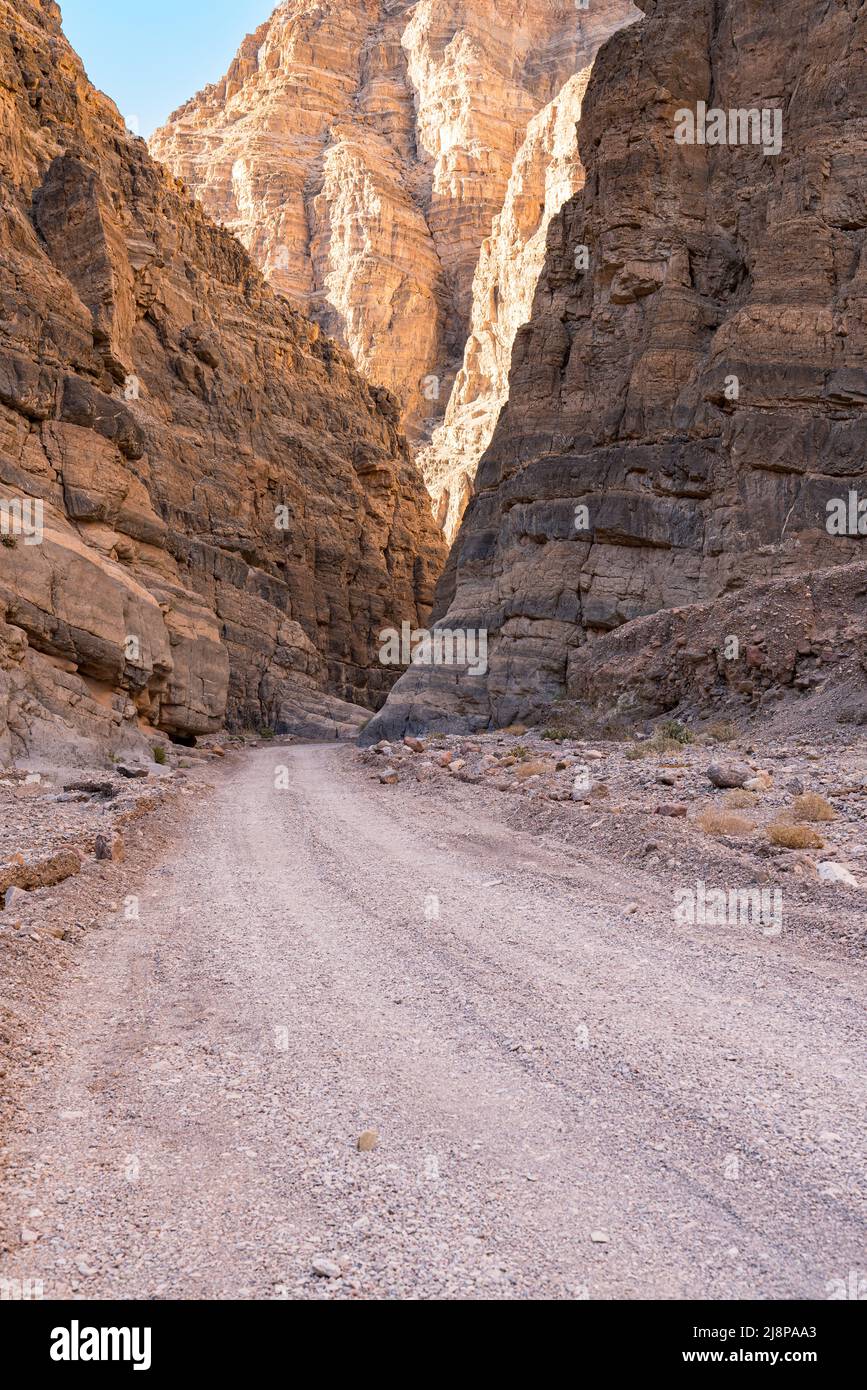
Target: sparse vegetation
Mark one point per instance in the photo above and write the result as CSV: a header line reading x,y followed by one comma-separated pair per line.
x,y
531,769
739,799
715,821
675,732
721,731
160,754
812,807
9,541
266,733
790,836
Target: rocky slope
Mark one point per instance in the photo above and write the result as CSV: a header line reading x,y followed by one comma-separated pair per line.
x,y
230,512
361,150
700,389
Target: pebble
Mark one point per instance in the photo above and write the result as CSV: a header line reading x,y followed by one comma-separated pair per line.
x,y
325,1268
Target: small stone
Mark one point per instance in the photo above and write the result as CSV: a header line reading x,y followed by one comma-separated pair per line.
x,y
445,757
835,873
600,1237
592,754
218,752
109,845
325,1268
28,1235
382,747
762,782
666,779
728,774
131,770
389,777
367,1141
457,765
415,745
15,898
670,808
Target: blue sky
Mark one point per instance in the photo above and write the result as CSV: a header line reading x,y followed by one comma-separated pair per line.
x,y
151,57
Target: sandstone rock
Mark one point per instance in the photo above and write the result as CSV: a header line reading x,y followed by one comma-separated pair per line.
x,y
706,497
15,899
670,808
109,845
368,1141
361,154
325,1268
762,782
41,872
230,514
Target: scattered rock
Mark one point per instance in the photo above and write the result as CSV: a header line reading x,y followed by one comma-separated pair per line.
x,y
109,845
389,777
728,774
600,1237
325,1268
835,873
367,1141
415,745
670,808
15,898
131,770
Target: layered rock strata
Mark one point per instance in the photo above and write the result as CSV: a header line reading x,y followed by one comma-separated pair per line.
x,y
361,150
207,514
686,417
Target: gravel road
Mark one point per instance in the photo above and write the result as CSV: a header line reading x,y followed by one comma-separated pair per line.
x,y
571,1101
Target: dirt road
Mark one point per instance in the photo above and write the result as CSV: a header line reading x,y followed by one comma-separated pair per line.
x,y
571,1101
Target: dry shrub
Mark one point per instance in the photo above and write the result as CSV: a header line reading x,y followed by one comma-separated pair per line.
x,y
739,799
718,822
811,806
722,732
531,769
790,836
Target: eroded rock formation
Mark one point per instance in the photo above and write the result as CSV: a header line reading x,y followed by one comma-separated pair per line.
x,y
230,514
361,150
700,389
546,171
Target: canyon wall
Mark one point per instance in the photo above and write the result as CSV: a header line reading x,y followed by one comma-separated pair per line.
x,y
362,150
207,513
682,412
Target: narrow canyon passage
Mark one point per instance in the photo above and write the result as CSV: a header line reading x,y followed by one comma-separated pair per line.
x,y
570,1101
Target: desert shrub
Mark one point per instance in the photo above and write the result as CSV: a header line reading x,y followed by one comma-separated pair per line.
x,y
721,731
673,730
159,754
715,821
811,806
530,769
739,799
790,836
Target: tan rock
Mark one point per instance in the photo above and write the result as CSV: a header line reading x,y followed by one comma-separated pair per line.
x,y
230,513
361,154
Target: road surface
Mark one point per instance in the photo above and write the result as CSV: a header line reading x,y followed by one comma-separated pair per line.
x,y
570,1102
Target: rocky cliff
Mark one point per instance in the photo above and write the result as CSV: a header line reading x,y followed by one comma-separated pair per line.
x,y
361,150
206,513
686,415
546,171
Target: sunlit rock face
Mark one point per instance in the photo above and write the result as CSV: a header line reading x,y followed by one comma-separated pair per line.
x,y
208,515
686,416
362,150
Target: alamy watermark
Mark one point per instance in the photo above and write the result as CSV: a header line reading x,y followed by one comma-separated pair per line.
x,y
729,907
23,516
440,646
739,126
847,516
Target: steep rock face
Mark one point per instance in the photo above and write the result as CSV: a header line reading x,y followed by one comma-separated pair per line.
x,y
230,514
547,170
360,149
701,388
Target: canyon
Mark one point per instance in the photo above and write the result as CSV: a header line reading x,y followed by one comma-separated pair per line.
x,y
687,400
230,513
392,167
